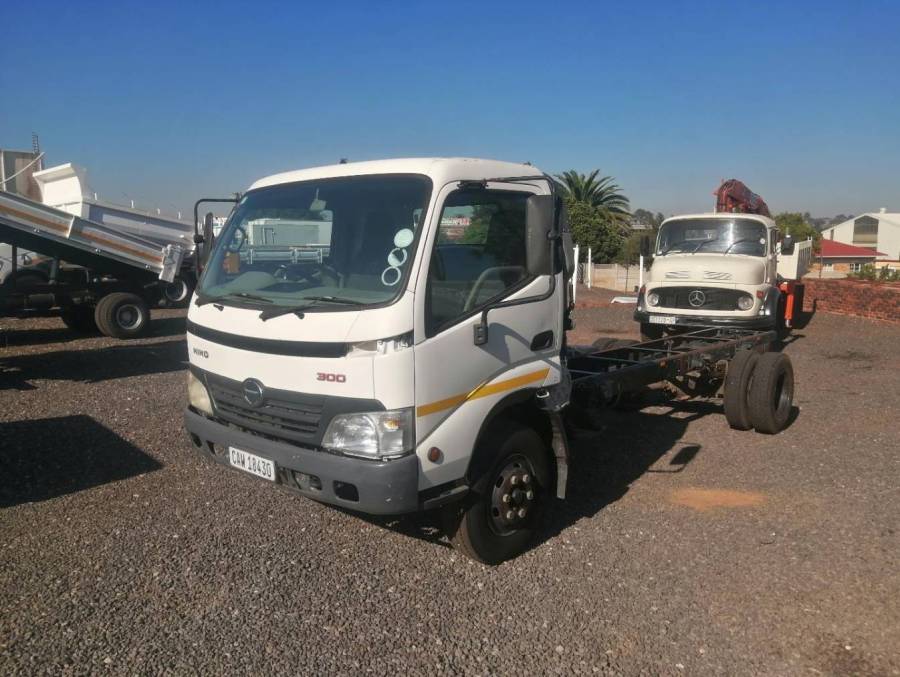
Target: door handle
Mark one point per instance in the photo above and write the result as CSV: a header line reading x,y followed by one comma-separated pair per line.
x,y
542,341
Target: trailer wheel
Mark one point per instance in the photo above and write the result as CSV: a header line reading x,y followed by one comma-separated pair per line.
x,y
651,332
80,319
122,315
499,519
771,393
737,389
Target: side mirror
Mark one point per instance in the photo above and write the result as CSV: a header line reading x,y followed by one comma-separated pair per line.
x,y
539,213
787,245
205,237
645,246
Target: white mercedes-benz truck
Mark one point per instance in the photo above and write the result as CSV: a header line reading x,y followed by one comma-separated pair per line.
x,y
722,269
411,355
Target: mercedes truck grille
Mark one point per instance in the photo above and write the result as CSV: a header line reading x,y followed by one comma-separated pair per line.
x,y
699,298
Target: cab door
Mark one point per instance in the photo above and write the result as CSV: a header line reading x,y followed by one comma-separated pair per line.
x,y
476,257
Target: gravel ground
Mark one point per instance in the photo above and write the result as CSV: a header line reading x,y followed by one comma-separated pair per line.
x,y
685,548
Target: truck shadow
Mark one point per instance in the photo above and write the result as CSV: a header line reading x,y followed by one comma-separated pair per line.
x,y
10,336
606,461
50,457
121,360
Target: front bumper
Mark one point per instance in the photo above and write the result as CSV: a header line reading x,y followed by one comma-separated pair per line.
x,y
755,322
378,487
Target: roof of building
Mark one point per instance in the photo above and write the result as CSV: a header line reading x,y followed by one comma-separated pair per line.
x,y
834,249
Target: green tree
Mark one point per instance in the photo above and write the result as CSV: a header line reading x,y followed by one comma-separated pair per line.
x,y
647,218
592,227
600,192
798,226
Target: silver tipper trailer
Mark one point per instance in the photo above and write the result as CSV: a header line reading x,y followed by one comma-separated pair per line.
x,y
98,276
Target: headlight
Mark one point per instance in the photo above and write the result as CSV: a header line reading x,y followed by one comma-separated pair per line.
x,y
375,434
745,302
653,298
198,395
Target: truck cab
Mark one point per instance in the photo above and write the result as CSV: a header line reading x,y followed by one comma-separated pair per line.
x,y
406,357
719,269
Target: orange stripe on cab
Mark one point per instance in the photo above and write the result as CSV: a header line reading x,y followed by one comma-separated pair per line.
x,y
483,390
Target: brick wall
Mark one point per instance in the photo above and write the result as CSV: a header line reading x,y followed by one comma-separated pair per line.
x,y
875,300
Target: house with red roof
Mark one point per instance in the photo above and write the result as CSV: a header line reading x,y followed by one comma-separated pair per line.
x,y
841,258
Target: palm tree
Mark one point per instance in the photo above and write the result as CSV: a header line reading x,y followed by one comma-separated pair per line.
x,y
600,192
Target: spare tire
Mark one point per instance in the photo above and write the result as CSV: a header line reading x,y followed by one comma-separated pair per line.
x,y
771,393
122,315
737,389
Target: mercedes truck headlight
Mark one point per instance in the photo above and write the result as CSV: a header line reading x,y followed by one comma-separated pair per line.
x,y
198,395
376,434
653,298
745,302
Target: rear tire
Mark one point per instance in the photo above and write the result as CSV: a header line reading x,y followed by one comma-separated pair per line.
x,y
651,332
771,393
515,467
80,319
177,292
737,389
122,315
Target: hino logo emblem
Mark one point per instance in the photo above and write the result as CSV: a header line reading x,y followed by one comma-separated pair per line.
x,y
254,393
696,298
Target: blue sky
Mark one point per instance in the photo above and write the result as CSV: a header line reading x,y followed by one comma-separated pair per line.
x,y
165,102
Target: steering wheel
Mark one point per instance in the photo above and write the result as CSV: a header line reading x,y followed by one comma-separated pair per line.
x,y
472,298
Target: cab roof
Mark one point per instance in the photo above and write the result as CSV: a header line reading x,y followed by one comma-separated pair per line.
x,y
765,220
439,170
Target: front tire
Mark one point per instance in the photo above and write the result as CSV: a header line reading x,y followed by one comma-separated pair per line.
x,y
651,332
122,315
500,516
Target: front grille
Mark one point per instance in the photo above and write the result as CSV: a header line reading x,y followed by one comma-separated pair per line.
x,y
714,298
282,414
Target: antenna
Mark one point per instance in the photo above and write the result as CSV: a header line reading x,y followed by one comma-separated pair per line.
x,y
36,149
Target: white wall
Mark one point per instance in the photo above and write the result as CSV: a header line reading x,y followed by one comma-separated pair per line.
x,y
888,234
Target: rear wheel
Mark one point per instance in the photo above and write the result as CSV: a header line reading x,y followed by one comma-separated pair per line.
x,y
177,292
502,512
771,393
737,389
122,315
80,319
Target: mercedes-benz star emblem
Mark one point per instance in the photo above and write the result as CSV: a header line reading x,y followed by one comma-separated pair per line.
x,y
696,298
254,393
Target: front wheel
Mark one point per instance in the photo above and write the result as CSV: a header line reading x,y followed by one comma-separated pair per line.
x,y
501,514
122,315
651,332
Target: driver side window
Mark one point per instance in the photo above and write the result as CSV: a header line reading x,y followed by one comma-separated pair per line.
x,y
479,254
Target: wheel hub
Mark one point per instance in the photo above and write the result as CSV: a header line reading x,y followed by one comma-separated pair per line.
x,y
513,497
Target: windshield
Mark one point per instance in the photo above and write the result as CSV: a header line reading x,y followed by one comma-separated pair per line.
x,y
341,240
718,235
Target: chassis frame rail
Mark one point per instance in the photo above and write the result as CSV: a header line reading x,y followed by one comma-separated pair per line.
x,y
632,367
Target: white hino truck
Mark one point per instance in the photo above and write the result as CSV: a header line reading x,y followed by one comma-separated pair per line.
x,y
418,358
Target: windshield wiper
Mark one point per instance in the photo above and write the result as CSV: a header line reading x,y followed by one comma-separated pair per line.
x,y
238,294
700,246
269,313
743,239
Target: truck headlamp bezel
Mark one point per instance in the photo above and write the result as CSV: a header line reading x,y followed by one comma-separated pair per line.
x,y
198,395
653,299
378,435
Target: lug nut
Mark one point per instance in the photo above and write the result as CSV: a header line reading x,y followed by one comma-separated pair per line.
x,y
510,514
506,498
522,512
529,494
525,479
514,480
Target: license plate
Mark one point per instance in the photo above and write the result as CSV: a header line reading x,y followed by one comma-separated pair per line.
x,y
662,319
251,463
